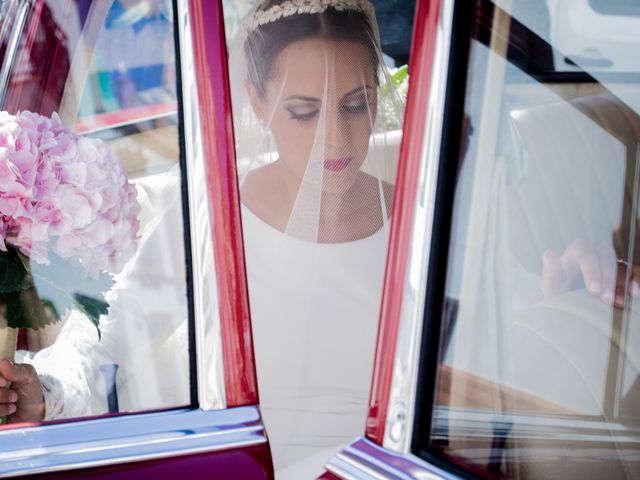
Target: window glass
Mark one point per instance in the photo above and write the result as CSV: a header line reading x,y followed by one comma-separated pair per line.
x,y
100,251
616,7
597,36
539,368
318,100
120,78
12,15
4,8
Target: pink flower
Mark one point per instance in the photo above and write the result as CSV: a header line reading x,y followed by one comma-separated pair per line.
x,y
64,193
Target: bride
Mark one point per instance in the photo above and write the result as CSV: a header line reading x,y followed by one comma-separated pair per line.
x,y
310,99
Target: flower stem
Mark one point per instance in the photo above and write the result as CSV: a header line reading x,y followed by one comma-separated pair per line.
x,y
8,342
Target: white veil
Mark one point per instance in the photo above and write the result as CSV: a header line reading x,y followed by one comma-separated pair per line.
x,y
316,120
336,184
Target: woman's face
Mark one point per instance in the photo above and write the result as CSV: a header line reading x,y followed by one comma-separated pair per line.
x,y
320,105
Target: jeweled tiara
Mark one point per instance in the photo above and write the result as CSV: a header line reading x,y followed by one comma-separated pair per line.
x,y
298,7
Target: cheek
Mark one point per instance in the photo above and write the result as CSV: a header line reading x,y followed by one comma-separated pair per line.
x,y
360,134
294,140
364,127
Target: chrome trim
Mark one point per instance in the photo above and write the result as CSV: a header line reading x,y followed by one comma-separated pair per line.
x,y
12,47
126,439
574,429
126,123
6,25
365,460
626,314
401,412
210,374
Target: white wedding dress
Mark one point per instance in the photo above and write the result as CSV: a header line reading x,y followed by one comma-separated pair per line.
x,y
314,310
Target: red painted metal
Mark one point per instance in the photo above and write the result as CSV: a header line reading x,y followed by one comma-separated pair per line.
x,y
245,463
42,64
54,82
421,63
215,111
328,476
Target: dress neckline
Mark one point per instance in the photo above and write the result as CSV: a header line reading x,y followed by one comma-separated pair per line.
x,y
246,211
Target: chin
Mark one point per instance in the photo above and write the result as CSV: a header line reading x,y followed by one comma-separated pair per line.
x,y
339,182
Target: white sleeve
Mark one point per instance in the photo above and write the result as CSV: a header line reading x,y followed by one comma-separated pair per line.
x,y
66,369
145,332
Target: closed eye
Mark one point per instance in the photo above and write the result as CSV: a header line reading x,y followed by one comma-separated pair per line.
x,y
304,114
355,109
356,104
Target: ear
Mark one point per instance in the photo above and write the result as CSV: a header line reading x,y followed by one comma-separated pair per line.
x,y
254,98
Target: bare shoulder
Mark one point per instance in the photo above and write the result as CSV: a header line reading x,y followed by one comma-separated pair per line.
x,y
388,189
257,187
260,195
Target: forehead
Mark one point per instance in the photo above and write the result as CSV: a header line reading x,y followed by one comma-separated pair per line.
x,y
306,65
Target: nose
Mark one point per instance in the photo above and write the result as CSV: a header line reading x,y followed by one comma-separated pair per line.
x,y
337,129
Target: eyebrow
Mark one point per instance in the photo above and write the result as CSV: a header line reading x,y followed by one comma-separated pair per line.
x,y
358,90
305,98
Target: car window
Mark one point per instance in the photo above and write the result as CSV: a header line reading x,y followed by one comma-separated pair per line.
x,y
538,372
114,335
583,35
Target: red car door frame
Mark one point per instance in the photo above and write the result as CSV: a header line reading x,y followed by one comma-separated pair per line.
x,y
385,449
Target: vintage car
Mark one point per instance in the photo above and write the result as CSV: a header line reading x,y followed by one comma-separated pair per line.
x,y
505,340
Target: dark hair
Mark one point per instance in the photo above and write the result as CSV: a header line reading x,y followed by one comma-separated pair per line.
x,y
268,40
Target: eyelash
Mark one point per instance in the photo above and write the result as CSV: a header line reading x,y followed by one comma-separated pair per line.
x,y
303,117
308,116
355,109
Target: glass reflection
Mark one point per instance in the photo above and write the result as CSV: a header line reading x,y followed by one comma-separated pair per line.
x,y
539,368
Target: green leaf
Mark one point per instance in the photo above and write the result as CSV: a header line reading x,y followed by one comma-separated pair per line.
x,y
24,309
12,271
92,307
66,286
400,75
26,263
26,287
397,79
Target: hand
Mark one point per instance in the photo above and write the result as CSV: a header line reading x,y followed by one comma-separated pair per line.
x,y
595,268
23,400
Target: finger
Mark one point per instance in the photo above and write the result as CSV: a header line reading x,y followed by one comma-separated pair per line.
x,y
8,396
634,287
554,278
12,372
580,262
7,409
608,270
591,273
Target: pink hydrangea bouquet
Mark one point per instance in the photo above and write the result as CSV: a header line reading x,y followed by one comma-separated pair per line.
x,y
68,220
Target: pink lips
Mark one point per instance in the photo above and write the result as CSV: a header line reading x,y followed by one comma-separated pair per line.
x,y
337,164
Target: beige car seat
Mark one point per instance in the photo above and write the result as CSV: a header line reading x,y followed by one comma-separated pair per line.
x,y
582,160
